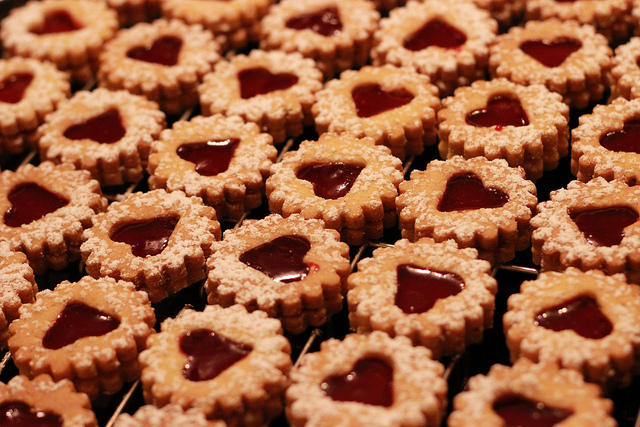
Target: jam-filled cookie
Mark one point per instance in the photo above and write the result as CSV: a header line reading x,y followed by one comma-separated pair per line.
x,y
525,125
438,295
45,210
350,183
529,394
336,34
506,12
292,268
367,380
90,332
169,415
131,12
273,89
626,70
477,202
585,321
447,41
157,240
222,160
227,362
395,106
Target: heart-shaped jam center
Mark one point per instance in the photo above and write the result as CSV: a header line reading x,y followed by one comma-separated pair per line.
x,y
435,33
626,141
501,110
330,180
105,128
371,99
13,87
30,202
259,80
163,51
209,353
281,259
370,382
581,314
519,412
210,157
466,191
77,321
19,414
59,21
604,227
551,53
146,238
325,22
419,288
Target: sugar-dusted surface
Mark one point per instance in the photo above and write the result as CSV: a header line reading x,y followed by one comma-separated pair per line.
x,y
171,414
626,71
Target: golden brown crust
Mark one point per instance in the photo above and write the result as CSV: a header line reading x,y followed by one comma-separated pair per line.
x,y
626,71
171,414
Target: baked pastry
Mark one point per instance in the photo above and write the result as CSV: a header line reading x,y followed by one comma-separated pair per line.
x,y
292,268
395,106
526,125
157,240
89,332
350,183
626,71
169,415
506,12
131,12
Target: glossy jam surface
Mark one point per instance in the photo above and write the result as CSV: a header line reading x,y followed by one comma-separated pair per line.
x,y
466,191
420,288
13,87
330,180
77,321
30,202
163,51
501,110
370,382
210,157
325,22
626,141
436,33
371,99
281,259
209,354
146,238
259,81
105,128
551,53
604,227
19,414
581,314
519,412
59,21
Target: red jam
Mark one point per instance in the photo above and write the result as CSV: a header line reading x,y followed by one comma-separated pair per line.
x,y
163,51
419,288
604,227
466,191
18,414
209,354
210,157
581,314
281,259
501,110
325,22
551,53
371,99
436,33
77,321
259,80
30,202
59,21
519,412
147,238
330,180
13,87
370,382
105,128
626,141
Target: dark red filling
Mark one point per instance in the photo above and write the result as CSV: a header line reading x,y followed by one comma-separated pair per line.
x,y
550,53
210,157
370,382
209,354
604,227
19,414
59,21
466,191
77,321
419,288
13,87
626,141
519,412
436,33
501,110
281,259
147,238
30,202
371,99
330,180
259,80
325,22
581,314
163,51
105,128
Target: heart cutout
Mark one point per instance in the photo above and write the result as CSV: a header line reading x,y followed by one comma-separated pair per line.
x,y
517,411
604,227
59,21
259,81
371,99
551,53
210,157
370,382
501,110
105,128
436,32
419,288
146,238
582,315
163,51
626,141
325,22
30,202
281,259
13,87
466,191
19,414
77,321
330,180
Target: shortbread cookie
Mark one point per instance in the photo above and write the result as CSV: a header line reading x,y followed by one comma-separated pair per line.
x,y
626,70
171,414
131,12
506,12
